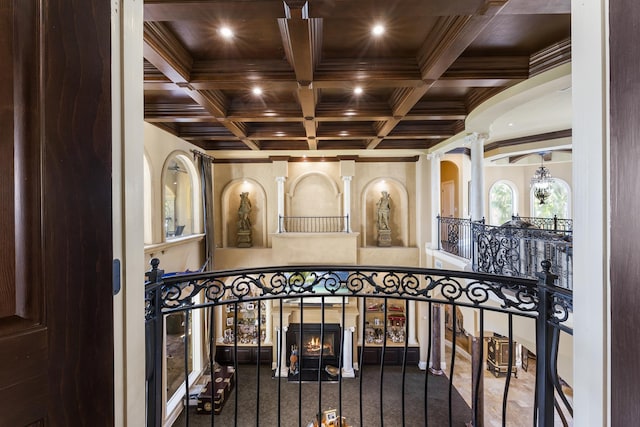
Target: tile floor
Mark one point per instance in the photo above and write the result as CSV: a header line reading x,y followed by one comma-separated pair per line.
x,y
520,397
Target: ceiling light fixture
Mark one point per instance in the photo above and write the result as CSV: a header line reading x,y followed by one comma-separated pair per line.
x,y
377,30
257,91
226,32
541,182
357,90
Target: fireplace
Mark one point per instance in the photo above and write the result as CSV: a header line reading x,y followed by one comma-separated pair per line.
x,y
311,354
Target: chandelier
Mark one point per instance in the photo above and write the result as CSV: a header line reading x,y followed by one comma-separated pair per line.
x,y
541,182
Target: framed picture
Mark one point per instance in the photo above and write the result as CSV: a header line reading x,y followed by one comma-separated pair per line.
x,y
250,306
330,417
230,321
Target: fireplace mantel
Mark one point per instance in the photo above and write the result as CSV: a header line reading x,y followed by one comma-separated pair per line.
x,y
312,313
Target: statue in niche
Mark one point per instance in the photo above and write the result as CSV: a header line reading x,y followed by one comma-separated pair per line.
x,y
384,230
244,222
384,207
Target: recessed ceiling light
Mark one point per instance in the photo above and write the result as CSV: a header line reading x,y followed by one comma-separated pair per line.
x,y
344,133
256,91
510,124
349,113
357,90
226,32
377,30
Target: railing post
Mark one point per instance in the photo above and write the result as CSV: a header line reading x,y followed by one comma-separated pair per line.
x,y
439,236
279,223
555,222
153,351
544,337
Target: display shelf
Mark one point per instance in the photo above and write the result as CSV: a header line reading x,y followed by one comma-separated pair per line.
x,y
248,326
374,321
225,354
393,355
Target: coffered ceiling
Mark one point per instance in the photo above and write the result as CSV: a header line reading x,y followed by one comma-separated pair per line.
x,y
434,62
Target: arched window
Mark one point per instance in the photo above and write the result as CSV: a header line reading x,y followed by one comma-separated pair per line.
x,y
178,197
502,202
558,203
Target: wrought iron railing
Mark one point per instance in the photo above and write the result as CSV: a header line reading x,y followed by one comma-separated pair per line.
x,y
454,236
549,306
554,224
516,252
313,224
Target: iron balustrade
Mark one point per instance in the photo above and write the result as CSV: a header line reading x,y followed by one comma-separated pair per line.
x,y
313,224
515,251
550,307
454,236
554,224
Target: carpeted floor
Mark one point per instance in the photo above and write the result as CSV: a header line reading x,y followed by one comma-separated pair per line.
x,y
290,414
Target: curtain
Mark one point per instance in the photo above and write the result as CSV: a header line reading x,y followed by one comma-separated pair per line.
x,y
206,180
206,185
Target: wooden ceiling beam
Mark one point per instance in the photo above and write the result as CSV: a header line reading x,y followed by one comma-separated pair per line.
x,y
206,10
302,39
448,39
166,53
163,50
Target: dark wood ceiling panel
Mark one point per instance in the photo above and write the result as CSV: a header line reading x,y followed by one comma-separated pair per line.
x,y
435,62
257,38
521,34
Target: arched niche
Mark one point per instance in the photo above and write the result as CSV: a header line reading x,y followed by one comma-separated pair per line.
x,y
181,205
313,194
398,217
229,216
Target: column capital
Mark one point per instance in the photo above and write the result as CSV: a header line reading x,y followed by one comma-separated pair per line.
x,y
435,156
281,178
346,177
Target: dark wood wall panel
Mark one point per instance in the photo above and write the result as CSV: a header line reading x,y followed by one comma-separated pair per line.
x,y
7,248
56,303
78,210
625,205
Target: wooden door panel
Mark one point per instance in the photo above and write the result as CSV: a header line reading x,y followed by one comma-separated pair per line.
x,y
56,305
23,337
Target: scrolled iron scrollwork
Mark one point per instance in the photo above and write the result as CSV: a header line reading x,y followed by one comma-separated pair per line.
x,y
471,289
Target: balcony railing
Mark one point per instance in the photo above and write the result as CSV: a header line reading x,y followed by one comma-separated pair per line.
x,y
422,398
313,224
514,251
510,250
553,224
454,236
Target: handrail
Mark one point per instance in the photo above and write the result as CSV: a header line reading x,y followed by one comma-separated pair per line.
x,y
555,223
541,299
313,224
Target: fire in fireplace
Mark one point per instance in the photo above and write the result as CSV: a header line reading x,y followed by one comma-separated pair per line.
x,y
312,346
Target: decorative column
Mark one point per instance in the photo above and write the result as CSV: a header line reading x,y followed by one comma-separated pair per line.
x,y
346,200
280,181
435,197
436,341
476,143
411,319
347,353
282,353
220,323
347,172
268,323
